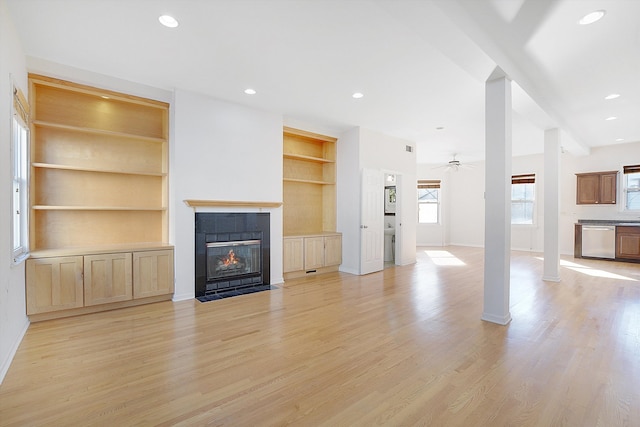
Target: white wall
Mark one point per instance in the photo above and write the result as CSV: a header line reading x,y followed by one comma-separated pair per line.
x,y
360,149
464,217
13,318
222,151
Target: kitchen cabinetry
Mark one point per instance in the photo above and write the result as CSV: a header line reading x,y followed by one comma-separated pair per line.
x,y
313,254
596,188
63,283
628,242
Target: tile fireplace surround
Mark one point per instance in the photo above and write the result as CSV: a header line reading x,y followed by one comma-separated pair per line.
x,y
231,230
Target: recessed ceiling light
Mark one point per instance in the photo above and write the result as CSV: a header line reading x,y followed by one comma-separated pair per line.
x,y
612,96
357,95
168,21
250,91
104,97
592,17
619,139
611,118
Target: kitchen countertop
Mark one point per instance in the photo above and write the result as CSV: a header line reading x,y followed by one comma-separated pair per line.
x,y
608,222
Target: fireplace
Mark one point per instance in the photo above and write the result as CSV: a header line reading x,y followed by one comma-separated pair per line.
x,y
232,253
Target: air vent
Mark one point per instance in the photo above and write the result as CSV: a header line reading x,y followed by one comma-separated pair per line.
x,y
409,148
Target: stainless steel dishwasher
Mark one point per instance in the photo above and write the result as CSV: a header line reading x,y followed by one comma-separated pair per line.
x,y
599,241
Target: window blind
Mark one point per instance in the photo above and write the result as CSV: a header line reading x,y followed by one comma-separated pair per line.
x,y
428,183
529,178
20,105
631,169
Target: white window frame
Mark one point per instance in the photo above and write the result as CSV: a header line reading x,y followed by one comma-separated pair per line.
x,y
20,177
626,170
520,180
429,184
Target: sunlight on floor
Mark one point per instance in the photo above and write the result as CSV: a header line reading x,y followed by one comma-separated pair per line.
x,y
443,258
591,271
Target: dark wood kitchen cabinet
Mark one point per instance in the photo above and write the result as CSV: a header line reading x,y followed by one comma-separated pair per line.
x,y
628,242
597,188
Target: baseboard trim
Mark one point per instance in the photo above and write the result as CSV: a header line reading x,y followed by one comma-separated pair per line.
x,y
6,363
500,320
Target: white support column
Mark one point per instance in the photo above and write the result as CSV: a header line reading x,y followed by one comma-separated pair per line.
x,y
552,153
497,237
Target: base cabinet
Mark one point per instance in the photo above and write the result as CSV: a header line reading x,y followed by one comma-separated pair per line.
x,y
54,284
628,242
311,254
152,273
107,278
59,286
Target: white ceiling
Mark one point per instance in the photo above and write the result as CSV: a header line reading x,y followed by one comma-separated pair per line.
x,y
420,64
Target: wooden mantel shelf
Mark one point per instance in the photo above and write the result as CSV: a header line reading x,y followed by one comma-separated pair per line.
x,y
230,203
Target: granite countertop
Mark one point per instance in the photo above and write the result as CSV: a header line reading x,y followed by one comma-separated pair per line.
x,y
608,222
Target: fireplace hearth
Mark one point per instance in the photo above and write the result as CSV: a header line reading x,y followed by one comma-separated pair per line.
x,y
232,254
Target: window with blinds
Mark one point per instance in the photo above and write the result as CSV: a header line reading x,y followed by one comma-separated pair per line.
x,y
523,198
20,176
428,201
631,179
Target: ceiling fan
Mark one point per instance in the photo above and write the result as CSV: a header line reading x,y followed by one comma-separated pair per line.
x,y
454,165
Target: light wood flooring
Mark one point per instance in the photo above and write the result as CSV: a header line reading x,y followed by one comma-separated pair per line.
x,y
402,347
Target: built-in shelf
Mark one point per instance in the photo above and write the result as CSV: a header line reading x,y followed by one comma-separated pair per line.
x,y
307,181
94,208
307,158
230,203
90,169
94,131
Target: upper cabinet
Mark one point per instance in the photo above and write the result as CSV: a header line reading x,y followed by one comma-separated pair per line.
x,y
99,166
309,182
597,188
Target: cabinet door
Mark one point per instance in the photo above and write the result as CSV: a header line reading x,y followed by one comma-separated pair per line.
x,y
153,273
313,252
332,250
588,189
628,242
608,188
54,284
293,254
107,278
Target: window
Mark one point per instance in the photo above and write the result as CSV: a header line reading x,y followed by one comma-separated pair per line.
x,y
631,176
428,201
20,173
522,198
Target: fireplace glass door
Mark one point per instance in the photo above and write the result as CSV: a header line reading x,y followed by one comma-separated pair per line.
x,y
233,259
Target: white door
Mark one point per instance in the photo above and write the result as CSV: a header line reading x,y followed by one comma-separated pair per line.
x,y
371,221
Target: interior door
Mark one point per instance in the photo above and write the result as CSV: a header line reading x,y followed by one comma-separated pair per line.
x,y
371,221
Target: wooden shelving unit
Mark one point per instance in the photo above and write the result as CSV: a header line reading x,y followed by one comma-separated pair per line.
x,y
99,166
98,196
311,244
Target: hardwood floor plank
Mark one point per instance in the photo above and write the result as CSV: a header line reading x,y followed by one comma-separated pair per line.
x,y
404,346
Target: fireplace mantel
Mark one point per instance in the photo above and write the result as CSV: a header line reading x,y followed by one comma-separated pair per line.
x,y
230,203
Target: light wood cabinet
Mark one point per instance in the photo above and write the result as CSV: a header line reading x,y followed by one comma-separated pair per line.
x,y
70,282
54,284
99,193
152,273
107,278
628,242
293,254
333,250
311,244
312,254
596,188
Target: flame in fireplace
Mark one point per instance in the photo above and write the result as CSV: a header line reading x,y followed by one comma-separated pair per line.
x,y
230,258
